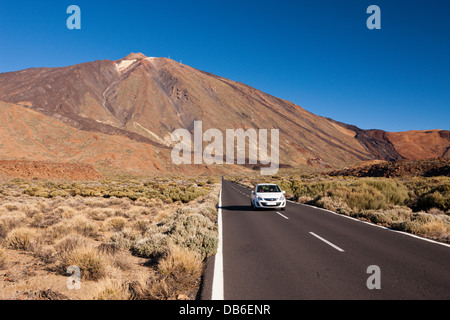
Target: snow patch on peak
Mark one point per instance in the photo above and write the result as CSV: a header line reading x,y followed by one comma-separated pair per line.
x,y
124,64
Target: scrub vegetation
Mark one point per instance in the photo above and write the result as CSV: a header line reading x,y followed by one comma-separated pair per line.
x,y
131,239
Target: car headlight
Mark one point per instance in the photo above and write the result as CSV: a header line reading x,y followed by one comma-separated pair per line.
x,y
259,198
282,198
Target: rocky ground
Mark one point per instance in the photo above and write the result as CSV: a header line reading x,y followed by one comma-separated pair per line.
x,y
399,168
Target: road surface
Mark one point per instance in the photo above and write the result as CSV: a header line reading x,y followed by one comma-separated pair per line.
x,y
310,253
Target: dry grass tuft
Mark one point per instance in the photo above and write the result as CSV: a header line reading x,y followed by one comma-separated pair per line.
x,y
91,262
115,224
178,274
22,239
181,264
112,289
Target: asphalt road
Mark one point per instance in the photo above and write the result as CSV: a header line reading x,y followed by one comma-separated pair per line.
x,y
310,253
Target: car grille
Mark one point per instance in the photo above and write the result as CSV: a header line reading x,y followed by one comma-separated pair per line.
x,y
277,204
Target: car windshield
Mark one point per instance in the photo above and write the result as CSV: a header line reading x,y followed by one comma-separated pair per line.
x,y
268,188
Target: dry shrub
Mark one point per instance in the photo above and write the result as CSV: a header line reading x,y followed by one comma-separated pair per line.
x,y
74,250
10,207
181,264
38,220
115,224
387,217
13,220
333,204
163,214
43,206
30,210
125,238
193,231
179,272
66,212
100,214
152,202
153,247
139,211
78,224
76,202
70,243
413,227
141,225
83,226
22,239
157,288
112,289
59,230
176,275
209,212
113,201
437,230
90,261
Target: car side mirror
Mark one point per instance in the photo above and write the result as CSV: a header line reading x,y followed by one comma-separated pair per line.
x,y
283,192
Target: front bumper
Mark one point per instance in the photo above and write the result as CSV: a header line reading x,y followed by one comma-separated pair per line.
x,y
270,204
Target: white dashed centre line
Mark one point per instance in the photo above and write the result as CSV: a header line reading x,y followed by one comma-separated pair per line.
x,y
327,242
283,215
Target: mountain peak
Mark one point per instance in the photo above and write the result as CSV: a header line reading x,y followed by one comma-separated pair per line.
x,y
140,101
135,56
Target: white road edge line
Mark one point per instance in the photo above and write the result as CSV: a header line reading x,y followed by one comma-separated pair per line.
x,y
217,285
327,242
283,215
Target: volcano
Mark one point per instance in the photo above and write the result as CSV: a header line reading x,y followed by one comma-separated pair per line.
x,y
120,114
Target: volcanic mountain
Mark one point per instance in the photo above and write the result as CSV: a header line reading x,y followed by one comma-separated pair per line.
x,y
119,115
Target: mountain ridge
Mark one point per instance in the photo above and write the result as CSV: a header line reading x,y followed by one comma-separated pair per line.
x,y
145,99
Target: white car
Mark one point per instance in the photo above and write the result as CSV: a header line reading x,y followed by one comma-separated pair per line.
x,y
268,195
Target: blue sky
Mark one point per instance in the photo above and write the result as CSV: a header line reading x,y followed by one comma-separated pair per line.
x,y
317,54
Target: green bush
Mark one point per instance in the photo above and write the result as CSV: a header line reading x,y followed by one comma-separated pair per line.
x,y
360,194
365,198
59,193
133,190
434,199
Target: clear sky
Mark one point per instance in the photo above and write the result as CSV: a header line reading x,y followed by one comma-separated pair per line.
x,y
318,54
